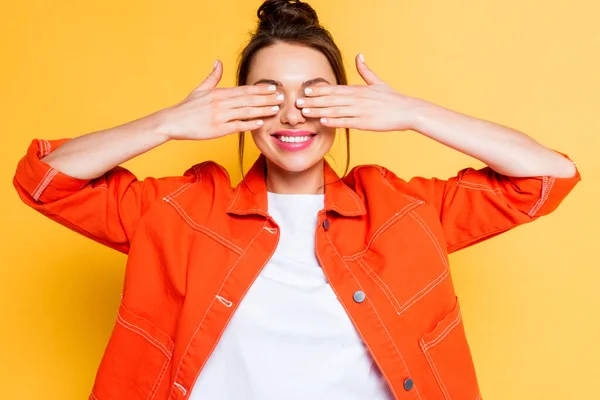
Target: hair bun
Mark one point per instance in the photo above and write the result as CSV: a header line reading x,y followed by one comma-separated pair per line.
x,y
272,12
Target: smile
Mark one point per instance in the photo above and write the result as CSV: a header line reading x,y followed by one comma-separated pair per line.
x,y
294,140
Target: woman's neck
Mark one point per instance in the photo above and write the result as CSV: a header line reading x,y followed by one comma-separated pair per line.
x,y
309,181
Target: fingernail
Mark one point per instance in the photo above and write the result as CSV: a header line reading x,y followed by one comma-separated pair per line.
x,y
361,57
308,90
215,64
259,122
300,102
323,120
275,108
279,97
271,88
306,110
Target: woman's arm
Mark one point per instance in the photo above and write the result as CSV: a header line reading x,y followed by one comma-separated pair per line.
x,y
206,113
505,150
93,154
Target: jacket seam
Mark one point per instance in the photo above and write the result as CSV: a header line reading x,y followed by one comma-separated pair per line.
x,y
141,332
376,277
547,184
204,229
170,199
442,335
435,342
159,379
385,226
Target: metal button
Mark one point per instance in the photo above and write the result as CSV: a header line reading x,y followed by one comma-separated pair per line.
x,y
359,296
408,384
326,224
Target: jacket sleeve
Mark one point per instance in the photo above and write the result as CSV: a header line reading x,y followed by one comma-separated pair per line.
x,y
106,209
478,204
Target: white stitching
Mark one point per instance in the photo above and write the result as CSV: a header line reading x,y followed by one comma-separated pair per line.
x,y
431,285
204,229
547,184
140,318
436,372
387,182
353,195
271,230
163,349
420,221
181,388
434,342
48,147
384,227
444,333
170,199
210,306
237,193
44,184
40,183
185,186
376,313
225,301
487,189
373,275
159,379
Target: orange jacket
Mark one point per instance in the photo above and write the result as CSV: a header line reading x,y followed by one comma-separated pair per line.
x,y
196,244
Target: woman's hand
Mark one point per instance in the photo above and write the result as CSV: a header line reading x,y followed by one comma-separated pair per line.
x,y
375,107
209,113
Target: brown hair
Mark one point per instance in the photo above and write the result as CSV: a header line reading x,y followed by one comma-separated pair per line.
x,y
295,22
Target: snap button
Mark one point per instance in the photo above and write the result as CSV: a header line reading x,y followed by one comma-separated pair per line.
x,y
408,384
359,296
326,224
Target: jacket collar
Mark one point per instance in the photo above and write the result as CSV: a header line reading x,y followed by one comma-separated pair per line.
x,y
250,195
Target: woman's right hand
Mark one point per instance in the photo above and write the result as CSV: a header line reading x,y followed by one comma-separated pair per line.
x,y
208,112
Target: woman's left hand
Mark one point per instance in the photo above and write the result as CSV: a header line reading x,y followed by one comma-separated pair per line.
x,y
375,107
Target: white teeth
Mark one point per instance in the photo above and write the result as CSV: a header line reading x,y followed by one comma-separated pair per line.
x,y
294,139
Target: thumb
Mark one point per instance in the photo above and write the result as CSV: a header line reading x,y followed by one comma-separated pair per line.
x,y
213,78
365,72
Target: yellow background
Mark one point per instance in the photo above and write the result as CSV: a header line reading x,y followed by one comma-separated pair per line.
x,y
530,297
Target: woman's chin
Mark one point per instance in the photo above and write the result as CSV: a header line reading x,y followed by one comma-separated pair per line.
x,y
296,162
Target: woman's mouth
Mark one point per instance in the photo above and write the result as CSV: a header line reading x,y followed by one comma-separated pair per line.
x,y
294,141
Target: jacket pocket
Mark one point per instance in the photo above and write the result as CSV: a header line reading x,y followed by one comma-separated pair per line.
x,y
135,361
448,354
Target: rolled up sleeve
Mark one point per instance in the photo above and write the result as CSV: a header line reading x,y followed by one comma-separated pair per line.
x,y
106,209
478,204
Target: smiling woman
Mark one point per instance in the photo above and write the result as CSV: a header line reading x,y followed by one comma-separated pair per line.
x,y
296,283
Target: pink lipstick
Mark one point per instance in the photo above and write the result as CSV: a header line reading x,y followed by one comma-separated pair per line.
x,y
293,140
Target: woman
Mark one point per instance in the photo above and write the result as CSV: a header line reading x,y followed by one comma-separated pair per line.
x,y
295,284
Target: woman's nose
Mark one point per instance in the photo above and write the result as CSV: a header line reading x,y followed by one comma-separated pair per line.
x,y
290,114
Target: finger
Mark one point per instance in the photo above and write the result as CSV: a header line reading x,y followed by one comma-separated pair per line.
x,y
213,78
248,113
326,101
331,112
328,90
365,72
247,90
256,100
242,126
350,123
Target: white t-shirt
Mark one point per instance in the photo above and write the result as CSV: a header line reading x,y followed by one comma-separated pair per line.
x,y
290,337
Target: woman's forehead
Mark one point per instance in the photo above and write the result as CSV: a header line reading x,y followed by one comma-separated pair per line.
x,y
290,65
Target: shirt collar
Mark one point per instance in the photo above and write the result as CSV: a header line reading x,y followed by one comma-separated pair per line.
x,y
250,195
